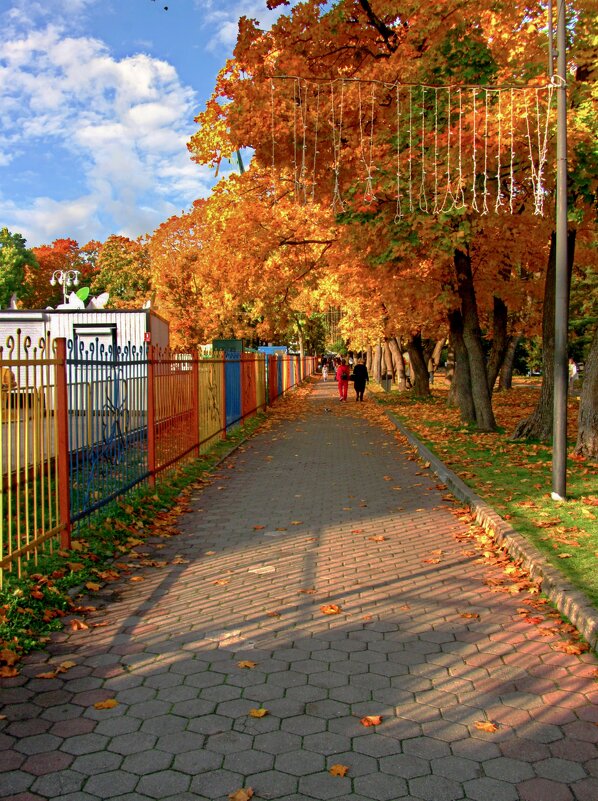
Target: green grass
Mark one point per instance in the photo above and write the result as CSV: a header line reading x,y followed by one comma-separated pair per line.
x,y
515,477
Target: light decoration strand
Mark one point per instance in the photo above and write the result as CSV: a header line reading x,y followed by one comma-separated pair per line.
x,y
478,149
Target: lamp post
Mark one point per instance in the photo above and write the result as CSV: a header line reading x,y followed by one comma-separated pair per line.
x,y
66,279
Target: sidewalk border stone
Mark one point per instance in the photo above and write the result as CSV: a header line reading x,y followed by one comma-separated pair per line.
x,y
570,602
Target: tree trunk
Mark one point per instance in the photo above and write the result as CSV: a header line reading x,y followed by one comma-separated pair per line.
x,y
419,368
587,434
377,362
369,359
388,359
398,362
460,393
505,378
499,342
472,337
539,423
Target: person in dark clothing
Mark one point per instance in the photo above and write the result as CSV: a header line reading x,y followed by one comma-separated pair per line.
x,y
360,379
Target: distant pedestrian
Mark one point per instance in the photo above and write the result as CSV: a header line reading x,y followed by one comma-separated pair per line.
x,y
360,379
572,374
325,371
342,378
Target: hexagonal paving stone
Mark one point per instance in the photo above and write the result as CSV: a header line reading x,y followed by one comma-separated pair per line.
x,y
98,762
456,768
216,783
147,762
405,765
131,743
426,747
560,770
508,770
38,744
210,724
303,724
250,761
324,786
179,742
111,784
196,762
484,788
163,784
85,744
228,742
358,764
58,784
327,743
299,763
164,724
435,788
380,786
277,742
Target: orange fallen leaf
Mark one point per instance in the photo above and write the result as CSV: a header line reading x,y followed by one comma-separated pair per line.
x,y
258,713
331,609
273,614
258,528
572,647
338,770
308,591
565,555
221,582
137,578
378,538
486,725
357,531
371,720
78,625
247,664
9,656
241,795
49,675
109,703
93,586
296,522
8,672
470,615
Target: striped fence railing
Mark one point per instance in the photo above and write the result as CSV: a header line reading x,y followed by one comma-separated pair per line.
x,y
83,425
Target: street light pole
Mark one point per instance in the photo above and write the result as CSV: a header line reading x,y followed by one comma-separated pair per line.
x,y
561,304
66,279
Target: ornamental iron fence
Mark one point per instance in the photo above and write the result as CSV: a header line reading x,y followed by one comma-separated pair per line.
x,y
83,423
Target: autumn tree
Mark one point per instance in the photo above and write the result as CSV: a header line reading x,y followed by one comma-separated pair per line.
x,y
122,269
15,261
63,255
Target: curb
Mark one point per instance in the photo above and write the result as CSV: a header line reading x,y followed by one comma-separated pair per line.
x,y
570,602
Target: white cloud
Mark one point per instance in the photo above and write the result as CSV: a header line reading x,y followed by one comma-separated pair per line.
x,y
120,119
224,18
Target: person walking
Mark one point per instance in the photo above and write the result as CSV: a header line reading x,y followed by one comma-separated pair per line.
x,y
325,370
360,379
342,377
572,374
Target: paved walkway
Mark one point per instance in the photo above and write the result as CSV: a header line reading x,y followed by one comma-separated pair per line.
x,y
326,511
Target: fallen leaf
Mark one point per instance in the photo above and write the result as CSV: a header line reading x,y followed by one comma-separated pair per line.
x,y
296,522
93,586
470,615
378,538
273,614
247,663
9,656
241,795
49,675
572,647
78,625
371,720
221,582
486,725
565,555
137,578
338,770
258,528
8,672
109,703
308,591
331,609
258,713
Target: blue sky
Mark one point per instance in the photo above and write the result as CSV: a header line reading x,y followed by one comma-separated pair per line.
x,y
97,100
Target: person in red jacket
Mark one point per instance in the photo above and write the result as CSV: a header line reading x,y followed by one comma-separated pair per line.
x,y
342,376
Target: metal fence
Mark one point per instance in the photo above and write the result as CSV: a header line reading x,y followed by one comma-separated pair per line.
x,y
83,424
